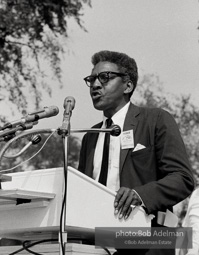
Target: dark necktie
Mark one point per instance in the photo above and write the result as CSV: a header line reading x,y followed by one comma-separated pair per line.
x,y
105,156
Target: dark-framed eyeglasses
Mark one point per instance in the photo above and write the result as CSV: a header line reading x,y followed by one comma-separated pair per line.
x,y
103,77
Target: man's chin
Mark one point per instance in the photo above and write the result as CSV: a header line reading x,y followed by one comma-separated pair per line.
x,y
98,106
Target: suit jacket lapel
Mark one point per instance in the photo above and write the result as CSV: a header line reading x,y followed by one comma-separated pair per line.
x,y
130,123
90,157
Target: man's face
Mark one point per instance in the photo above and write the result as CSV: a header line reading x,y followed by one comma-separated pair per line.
x,y
108,97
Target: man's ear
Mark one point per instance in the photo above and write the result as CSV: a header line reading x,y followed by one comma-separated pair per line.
x,y
129,87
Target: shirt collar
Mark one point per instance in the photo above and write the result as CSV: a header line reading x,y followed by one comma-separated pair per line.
x,y
118,117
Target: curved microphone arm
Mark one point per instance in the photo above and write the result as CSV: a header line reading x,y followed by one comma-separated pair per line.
x,y
22,135
19,153
34,140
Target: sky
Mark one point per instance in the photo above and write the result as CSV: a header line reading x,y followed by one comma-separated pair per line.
x,y
161,35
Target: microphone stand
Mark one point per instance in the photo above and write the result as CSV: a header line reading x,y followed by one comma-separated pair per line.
x,y
115,130
63,232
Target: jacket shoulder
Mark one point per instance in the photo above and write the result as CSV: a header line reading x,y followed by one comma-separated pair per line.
x,y
150,112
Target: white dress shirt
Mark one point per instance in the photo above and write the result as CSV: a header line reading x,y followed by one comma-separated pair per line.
x,y
113,181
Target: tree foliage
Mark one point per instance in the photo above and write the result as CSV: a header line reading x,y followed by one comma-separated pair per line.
x,y
32,36
151,93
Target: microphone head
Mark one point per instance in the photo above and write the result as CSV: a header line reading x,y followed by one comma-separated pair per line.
x,y
50,111
69,100
116,130
35,139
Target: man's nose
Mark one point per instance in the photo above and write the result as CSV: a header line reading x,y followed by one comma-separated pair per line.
x,y
96,84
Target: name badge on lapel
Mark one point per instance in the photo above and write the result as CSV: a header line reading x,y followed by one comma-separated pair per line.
x,y
127,140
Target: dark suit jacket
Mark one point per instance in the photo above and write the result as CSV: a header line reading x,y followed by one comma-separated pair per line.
x,y
160,173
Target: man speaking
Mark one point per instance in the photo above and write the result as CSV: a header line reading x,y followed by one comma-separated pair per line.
x,y
147,164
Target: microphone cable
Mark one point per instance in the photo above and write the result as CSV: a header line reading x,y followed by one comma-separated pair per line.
x,y
27,245
63,199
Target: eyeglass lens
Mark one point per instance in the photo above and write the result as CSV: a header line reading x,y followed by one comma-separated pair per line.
x,y
102,77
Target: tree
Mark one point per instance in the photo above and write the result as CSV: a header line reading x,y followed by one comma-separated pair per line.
x,y
150,93
32,35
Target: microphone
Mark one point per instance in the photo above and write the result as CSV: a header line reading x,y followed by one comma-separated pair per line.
x,y
115,130
69,104
7,138
15,129
35,116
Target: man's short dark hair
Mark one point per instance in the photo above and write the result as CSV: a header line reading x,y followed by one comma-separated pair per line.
x,y
123,61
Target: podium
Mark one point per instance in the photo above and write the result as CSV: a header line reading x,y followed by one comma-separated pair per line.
x,y
30,206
